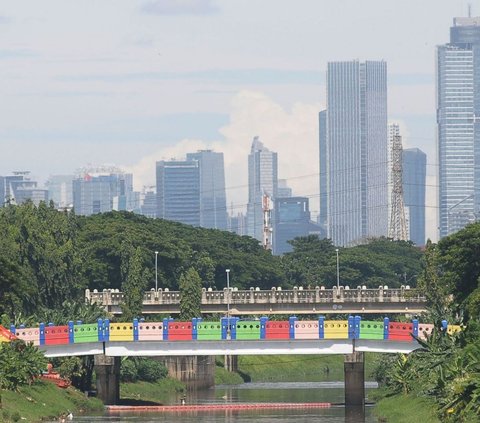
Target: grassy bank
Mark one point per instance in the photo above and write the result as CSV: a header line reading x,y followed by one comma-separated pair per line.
x,y
290,368
405,409
158,392
44,400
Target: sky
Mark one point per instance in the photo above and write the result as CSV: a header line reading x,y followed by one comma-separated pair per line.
x,y
132,82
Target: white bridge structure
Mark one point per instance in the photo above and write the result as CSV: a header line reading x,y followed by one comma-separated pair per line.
x,y
230,347
296,301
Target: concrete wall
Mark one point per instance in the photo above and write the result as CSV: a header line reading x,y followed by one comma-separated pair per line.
x,y
197,372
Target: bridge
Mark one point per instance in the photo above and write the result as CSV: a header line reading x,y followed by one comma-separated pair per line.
x,y
108,341
254,301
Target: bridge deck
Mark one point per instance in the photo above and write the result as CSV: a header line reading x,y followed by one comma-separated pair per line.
x,y
230,347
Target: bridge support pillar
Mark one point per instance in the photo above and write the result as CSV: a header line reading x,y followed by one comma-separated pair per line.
x,y
231,363
107,370
354,368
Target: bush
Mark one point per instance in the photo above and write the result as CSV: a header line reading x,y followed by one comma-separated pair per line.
x,y
128,371
150,370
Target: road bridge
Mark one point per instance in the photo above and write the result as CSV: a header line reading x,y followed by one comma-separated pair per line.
x,y
296,301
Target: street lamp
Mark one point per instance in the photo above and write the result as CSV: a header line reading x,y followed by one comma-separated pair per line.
x,y
228,302
338,272
156,272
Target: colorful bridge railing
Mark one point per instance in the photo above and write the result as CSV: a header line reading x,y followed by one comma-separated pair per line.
x,y
225,329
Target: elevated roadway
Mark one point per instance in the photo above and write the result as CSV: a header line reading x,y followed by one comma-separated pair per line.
x,y
297,301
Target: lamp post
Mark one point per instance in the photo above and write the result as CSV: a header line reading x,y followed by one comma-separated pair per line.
x,y
338,272
156,272
228,302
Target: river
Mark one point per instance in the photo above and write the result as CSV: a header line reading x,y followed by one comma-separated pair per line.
x,y
253,393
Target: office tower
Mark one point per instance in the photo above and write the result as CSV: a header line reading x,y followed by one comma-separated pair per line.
x,y
213,201
283,189
458,113
60,190
237,224
149,202
262,179
356,151
19,188
178,191
292,220
414,177
322,137
102,189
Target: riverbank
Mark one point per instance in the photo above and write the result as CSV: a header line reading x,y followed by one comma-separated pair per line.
x,y
156,392
288,368
44,400
405,409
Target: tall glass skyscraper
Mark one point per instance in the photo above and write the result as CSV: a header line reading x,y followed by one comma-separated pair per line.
x,y
356,151
178,191
101,189
262,179
458,119
213,201
414,176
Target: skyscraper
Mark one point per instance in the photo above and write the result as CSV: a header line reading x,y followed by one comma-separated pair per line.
x,y
213,201
292,219
262,179
356,151
458,119
102,189
322,136
19,188
414,177
60,190
178,191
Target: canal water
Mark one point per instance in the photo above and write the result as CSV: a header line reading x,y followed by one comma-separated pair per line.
x,y
301,392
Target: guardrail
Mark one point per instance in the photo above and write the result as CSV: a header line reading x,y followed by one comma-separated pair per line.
x,y
297,295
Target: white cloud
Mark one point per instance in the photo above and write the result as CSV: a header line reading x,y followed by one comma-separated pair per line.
x,y
293,134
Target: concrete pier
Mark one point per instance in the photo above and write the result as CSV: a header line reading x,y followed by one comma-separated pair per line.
x,y
231,363
354,368
107,370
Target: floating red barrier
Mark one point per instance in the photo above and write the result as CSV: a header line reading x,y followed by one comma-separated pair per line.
x,y
216,407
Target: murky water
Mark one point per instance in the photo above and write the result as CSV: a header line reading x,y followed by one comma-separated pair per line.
x,y
254,393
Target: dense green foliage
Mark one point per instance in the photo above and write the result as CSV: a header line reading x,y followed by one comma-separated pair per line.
x,y
446,370
48,257
144,369
191,295
20,364
378,262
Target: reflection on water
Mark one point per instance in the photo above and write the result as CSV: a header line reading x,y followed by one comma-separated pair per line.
x,y
254,393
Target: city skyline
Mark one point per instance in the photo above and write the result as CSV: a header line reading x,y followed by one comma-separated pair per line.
x,y
97,94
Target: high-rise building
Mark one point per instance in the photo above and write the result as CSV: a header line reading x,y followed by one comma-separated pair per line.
x,y
292,220
213,201
356,151
262,179
149,202
102,189
178,191
414,178
19,188
322,136
60,190
458,120
283,189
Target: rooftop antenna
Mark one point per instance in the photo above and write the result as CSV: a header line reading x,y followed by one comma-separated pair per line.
x,y
469,10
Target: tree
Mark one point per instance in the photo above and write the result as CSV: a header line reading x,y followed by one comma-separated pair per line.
x,y
431,284
134,284
191,294
459,263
